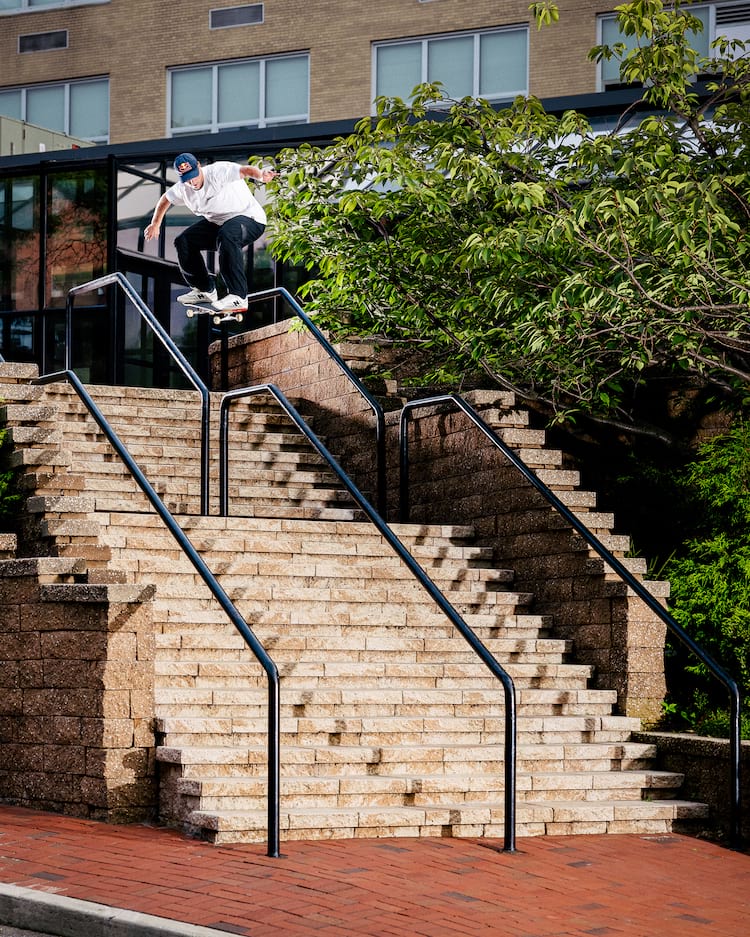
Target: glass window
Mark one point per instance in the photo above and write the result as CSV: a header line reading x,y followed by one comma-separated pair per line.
x,y
137,193
239,93
78,108
251,93
503,65
11,104
19,224
236,16
287,89
76,248
398,69
191,98
43,42
45,107
16,6
491,64
609,71
451,62
89,110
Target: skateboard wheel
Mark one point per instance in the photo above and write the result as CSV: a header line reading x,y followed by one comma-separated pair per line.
x,y
217,320
239,317
190,313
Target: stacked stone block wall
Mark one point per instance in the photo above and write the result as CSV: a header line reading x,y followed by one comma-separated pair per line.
x,y
298,365
76,696
76,645
705,762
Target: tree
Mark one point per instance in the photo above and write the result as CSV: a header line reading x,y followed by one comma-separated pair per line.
x,y
569,266
710,581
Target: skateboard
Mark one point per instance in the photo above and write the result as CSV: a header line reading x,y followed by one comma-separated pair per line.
x,y
206,309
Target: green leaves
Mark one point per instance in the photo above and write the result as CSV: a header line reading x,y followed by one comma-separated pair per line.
x,y
710,574
566,264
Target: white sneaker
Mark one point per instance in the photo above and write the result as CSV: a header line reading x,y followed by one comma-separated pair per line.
x,y
230,303
197,296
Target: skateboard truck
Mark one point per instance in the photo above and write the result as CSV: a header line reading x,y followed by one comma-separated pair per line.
x,y
199,309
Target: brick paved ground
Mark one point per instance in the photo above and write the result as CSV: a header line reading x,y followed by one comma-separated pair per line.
x,y
603,886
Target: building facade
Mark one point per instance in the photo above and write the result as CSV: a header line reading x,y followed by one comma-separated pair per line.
x,y
141,80
125,70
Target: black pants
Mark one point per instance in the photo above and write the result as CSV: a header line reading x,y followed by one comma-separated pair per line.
x,y
228,239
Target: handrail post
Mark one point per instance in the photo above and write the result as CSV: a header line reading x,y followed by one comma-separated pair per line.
x,y
274,767
380,454
187,369
69,332
492,664
619,568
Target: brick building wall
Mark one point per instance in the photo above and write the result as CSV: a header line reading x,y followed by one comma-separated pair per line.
x,y
134,42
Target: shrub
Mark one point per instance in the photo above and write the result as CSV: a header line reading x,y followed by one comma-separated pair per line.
x,y
710,582
9,497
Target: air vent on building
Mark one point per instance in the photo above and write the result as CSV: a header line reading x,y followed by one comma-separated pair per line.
x,y
248,15
732,13
43,42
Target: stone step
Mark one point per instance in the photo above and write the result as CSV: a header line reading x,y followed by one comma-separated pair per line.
x,y
8,546
467,672
20,414
237,571
386,760
188,626
432,703
346,552
393,730
184,659
220,794
474,819
364,677
46,569
34,435
231,730
427,769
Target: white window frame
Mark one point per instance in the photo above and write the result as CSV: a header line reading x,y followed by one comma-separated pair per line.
x,y
425,41
215,126
24,7
66,86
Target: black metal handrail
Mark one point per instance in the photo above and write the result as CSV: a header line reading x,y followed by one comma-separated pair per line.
x,y
718,672
435,594
349,374
274,743
183,364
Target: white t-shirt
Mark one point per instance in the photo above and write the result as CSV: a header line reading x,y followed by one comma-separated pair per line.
x,y
224,195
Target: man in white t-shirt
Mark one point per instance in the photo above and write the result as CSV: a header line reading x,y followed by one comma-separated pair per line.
x,y
231,219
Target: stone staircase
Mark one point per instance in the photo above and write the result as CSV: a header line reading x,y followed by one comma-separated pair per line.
x,y
389,724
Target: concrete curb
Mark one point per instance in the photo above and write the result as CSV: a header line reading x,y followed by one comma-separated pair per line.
x,y
70,917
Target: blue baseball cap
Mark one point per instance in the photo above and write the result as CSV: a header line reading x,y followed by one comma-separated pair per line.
x,y
187,166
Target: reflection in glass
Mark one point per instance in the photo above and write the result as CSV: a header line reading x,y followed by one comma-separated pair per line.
x,y
136,197
76,235
19,244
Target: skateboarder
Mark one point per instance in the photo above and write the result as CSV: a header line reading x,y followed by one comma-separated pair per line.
x,y
231,218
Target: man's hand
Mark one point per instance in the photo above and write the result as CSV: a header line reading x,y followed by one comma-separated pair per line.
x,y
256,173
151,231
